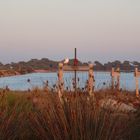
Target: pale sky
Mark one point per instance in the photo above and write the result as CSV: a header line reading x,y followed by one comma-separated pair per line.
x,y
103,30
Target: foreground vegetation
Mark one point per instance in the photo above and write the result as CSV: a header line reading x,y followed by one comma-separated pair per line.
x,y
40,115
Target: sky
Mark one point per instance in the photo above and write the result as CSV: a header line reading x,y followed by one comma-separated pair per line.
x,y
103,30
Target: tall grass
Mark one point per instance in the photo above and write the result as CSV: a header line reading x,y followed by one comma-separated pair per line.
x,y
40,115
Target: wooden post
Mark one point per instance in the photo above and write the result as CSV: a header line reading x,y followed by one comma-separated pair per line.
x,y
118,83
137,82
115,74
91,79
60,80
118,78
112,78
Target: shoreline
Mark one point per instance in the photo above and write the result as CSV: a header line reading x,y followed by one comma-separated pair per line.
x,y
8,73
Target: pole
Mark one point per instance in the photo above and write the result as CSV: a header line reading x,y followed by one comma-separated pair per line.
x,y
60,81
90,79
75,72
112,78
137,82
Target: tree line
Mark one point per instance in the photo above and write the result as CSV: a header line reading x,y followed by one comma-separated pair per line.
x,y
47,64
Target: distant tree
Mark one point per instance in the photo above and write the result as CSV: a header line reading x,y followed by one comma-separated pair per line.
x,y
98,66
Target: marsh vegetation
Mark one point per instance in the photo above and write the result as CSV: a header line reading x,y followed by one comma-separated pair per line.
x,y
39,114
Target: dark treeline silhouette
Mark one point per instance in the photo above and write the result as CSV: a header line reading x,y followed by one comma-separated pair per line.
x,y
124,66
50,65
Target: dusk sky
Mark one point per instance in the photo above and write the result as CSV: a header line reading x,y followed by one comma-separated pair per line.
x,y
103,30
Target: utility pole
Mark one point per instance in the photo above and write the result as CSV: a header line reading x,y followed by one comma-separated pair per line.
x,y
75,72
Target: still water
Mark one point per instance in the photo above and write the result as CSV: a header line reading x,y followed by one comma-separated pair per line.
x,y
102,80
